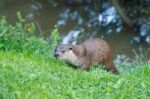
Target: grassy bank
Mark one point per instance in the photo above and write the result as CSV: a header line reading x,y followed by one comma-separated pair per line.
x,y
32,76
28,70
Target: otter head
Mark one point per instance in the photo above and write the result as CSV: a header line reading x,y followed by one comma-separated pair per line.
x,y
63,51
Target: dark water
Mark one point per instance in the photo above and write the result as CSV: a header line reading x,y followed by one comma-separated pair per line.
x,y
47,13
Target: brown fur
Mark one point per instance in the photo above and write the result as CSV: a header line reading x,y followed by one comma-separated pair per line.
x,y
92,52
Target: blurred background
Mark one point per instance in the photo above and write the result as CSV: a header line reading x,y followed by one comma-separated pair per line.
x,y
125,24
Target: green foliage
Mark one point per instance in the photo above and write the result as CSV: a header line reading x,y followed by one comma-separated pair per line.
x,y
54,38
21,38
35,76
36,45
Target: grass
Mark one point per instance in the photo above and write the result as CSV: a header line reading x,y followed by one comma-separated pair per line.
x,y
24,75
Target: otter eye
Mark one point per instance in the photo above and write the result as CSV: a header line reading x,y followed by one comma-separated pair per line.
x,y
63,51
70,48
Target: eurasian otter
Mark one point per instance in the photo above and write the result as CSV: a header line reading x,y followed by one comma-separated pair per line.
x,y
92,52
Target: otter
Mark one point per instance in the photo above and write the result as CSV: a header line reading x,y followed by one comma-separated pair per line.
x,y
92,52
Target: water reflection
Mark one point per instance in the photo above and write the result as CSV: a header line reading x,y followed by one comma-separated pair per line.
x,y
72,36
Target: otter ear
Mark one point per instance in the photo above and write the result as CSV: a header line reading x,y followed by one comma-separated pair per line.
x,y
70,48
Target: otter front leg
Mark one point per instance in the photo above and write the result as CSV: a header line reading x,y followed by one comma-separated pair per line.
x,y
85,64
85,67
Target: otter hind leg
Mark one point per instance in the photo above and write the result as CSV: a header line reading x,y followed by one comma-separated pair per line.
x,y
111,67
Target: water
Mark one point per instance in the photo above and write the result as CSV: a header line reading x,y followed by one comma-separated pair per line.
x,y
71,20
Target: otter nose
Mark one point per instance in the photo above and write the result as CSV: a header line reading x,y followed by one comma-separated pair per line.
x,y
56,55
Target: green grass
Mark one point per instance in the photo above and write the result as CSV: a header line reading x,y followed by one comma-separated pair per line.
x,y
34,76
